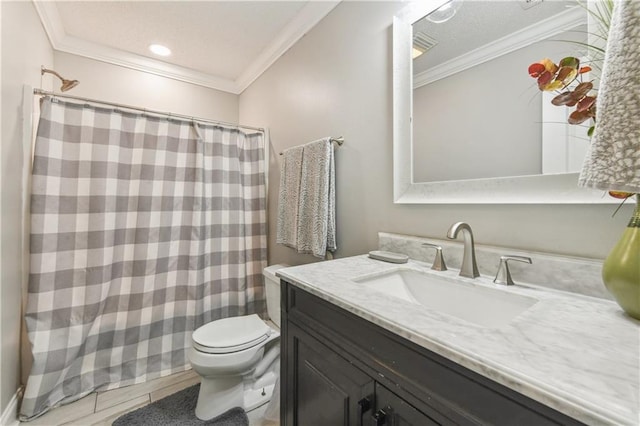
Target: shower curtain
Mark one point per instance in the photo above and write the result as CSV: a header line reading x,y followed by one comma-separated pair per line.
x,y
143,228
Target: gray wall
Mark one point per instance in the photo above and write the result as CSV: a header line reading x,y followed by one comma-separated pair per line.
x,y
24,48
337,81
113,83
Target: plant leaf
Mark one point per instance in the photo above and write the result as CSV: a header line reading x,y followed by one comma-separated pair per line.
x,y
573,100
566,75
621,194
578,117
554,85
571,62
544,79
586,103
536,69
562,99
582,89
549,65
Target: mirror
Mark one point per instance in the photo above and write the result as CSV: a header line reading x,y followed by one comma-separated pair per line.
x,y
470,125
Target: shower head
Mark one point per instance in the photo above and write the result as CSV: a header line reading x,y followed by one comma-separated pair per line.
x,y
66,84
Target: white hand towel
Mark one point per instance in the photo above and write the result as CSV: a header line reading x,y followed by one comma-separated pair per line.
x,y
287,232
316,206
613,160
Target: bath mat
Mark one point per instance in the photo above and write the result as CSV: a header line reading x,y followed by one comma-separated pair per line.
x,y
179,409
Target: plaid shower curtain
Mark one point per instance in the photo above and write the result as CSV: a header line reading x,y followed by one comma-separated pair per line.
x,y
142,229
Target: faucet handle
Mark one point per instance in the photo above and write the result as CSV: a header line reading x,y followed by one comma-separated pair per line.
x,y
438,261
503,276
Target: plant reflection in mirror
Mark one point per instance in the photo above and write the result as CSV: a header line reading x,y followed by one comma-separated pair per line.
x,y
562,76
552,77
624,196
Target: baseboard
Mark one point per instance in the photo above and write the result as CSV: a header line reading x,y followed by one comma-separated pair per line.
x,y
10,414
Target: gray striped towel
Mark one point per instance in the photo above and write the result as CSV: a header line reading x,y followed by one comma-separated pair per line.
x,y
287,231
316,205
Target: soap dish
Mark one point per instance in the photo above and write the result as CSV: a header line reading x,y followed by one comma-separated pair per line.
x,y
387,256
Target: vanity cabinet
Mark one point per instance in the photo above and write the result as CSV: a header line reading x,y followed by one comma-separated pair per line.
x,y
339,369
329,390
332,391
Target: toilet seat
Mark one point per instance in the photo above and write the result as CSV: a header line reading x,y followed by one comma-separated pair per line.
x,y
231,334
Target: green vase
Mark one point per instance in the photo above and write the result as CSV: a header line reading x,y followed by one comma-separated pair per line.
x,y
621,270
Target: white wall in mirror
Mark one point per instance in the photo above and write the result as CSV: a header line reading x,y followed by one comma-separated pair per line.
x,y
564,146
556,188
496,128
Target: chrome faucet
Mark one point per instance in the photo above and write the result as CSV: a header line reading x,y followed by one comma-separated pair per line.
x,y
469,266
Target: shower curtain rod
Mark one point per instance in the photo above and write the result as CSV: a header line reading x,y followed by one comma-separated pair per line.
x,y
339,140
41,92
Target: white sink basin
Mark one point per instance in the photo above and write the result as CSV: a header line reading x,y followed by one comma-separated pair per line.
x,y
477,304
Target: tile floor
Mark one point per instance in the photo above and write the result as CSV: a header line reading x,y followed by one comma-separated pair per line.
x,y
102,408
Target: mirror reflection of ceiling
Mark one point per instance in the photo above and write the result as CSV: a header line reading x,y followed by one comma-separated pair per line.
x,y
476,23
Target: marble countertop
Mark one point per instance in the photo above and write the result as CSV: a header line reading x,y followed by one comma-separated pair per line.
x,y
577,354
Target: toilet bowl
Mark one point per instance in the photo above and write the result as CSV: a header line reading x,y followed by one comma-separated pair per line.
x,y
237,358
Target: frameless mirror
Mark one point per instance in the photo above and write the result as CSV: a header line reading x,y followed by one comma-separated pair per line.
x,y
470,125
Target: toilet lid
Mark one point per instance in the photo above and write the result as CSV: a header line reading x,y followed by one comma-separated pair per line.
x,y
231,334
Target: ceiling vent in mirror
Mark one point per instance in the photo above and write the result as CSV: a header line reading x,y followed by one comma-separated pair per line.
x,y
421,43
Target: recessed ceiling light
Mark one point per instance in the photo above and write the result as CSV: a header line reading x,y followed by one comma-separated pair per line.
x,y
160,50
444,12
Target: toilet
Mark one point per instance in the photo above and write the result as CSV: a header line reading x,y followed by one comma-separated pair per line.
x,y
238,358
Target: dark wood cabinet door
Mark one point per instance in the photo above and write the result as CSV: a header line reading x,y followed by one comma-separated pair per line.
x,y
323,388
391,410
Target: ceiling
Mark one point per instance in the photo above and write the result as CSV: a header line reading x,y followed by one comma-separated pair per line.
x,y
223,45
479,22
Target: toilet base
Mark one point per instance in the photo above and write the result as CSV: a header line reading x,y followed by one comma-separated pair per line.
x,y
233,396
255,398
224,393
219,395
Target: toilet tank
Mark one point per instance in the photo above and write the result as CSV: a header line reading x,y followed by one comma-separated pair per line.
x,y
272,288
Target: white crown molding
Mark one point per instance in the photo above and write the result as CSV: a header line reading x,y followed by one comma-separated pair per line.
x,y
110,55
51,21
312,13
308,17
549,27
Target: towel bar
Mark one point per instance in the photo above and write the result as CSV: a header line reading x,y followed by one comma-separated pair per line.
x,y
339,140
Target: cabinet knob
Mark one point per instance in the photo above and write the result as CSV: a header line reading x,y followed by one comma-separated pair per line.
x,y
365,405
380,418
